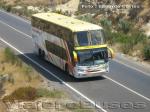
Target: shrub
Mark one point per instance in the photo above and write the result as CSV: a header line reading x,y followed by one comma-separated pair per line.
x,y
115,37
30,93
25,93
46,9
58,11
9,8
2,4
11,79
19,63
46,93
27,71
124,26
23,11
147,52
87,18
10,56
139,36
126,48
133,13
106,23
108,36
127,41
77,13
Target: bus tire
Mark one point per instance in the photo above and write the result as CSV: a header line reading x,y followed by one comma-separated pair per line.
x,y
41,54
66,68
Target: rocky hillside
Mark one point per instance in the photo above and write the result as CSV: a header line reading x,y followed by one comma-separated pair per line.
x,y
35,2
131,8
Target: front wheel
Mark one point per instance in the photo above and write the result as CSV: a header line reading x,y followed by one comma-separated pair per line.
x,y
66,69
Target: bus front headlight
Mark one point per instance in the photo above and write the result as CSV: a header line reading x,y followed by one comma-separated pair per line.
x,y
80,70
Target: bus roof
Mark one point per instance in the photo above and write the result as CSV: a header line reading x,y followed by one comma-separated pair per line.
x,y
74,25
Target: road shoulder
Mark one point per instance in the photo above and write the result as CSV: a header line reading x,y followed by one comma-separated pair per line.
x,y
133,63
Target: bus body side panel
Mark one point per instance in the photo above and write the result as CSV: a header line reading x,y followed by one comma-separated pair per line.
x,y
56,60
39,38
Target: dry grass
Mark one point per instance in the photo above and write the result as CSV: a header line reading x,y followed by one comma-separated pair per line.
x,y
20,78
2,107
28,90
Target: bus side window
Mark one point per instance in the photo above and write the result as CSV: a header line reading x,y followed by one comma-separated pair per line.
x,y
64,54
42,25
34,22
38,24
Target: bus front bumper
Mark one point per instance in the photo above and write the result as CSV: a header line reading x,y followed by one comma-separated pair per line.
x,y
91,71
86,74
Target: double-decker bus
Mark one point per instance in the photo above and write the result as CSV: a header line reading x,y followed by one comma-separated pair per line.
x,y
75,46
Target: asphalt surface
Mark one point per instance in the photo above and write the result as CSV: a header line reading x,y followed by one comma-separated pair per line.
x,y
121,86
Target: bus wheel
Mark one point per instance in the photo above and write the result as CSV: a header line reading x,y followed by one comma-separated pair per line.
x,y
41,54
66,69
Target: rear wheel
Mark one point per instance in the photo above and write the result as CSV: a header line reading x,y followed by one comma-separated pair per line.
x,y
41,54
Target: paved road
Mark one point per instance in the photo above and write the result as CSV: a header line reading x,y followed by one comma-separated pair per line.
x,y
123,84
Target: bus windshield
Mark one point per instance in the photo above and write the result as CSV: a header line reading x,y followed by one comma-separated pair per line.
x,y
92,57
85,38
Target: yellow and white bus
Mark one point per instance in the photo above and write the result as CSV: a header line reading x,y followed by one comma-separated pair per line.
x,y
75,46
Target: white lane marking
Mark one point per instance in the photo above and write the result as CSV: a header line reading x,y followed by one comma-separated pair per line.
x,y
147,74
114,80
127,88
15,16
15,29
69,86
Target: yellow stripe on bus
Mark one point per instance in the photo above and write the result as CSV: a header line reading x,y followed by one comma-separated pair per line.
x,y
90,47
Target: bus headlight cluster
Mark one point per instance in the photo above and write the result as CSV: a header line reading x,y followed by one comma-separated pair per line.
x,y
80,70
104,66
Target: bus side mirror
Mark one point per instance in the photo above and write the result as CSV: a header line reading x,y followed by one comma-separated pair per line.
x,y
75,57
111,53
